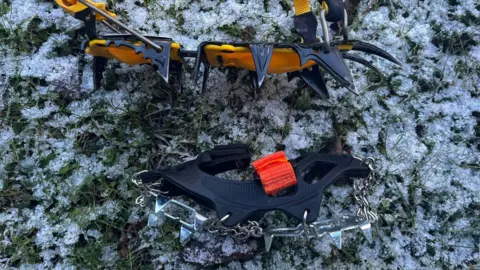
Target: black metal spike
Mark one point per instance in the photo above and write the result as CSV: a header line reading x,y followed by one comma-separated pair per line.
x,y
253,79
196,66
160,60
81,67
370,48
206,72
314,79
262,54
331,62
292,75
98,69
362,61
178,67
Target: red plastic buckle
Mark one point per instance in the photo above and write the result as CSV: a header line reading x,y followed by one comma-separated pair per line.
x,y
275,172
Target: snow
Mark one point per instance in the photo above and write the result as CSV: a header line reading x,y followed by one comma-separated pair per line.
x,y
109,256
72,233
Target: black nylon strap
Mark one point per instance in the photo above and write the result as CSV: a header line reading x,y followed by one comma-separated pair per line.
x,y
225,158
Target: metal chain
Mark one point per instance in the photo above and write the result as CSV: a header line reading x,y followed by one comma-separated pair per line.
x,y
251,229
151,189
363,187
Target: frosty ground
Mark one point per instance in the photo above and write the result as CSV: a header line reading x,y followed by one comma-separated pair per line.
x,y
67,151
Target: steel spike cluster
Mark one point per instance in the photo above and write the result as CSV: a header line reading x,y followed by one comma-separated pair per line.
x,y
308,60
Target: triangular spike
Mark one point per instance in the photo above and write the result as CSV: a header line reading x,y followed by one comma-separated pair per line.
x,y
159,59
185,235
362,61
199,221
262,55
160,203
268,241
332,62
152,220
337,238
367,231
162,62
314,79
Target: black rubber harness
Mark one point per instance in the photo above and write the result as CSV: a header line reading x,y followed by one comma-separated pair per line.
x,y
246,200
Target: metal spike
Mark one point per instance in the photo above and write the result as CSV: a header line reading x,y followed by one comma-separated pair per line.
x,y
98,69
163,66
352,88
206,72
337,238
199,221
370,48
262,54
367,231
179,69
196,65
332,63
185,235
292,75
159,59
362,61
268,241
152,220
314,79
160,202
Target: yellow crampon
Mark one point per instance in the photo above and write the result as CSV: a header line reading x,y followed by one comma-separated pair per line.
x,y
308,60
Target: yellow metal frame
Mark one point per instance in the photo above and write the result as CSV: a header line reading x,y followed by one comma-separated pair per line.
x,y
72,7
125,54
283,59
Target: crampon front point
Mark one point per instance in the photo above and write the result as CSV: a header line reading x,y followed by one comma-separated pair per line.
x,y
308,60
294,187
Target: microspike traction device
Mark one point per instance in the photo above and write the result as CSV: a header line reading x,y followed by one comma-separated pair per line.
x,y
308,60
294,187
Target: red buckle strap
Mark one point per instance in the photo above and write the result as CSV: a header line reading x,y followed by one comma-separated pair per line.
x,y
275,172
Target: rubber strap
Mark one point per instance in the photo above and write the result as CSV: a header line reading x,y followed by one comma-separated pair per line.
x,y
301,6
224,158
276,173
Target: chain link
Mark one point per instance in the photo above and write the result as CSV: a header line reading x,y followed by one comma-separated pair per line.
x,y
251,229
150,189
363,187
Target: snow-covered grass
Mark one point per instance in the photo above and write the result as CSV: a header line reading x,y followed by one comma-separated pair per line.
x,y
67,151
